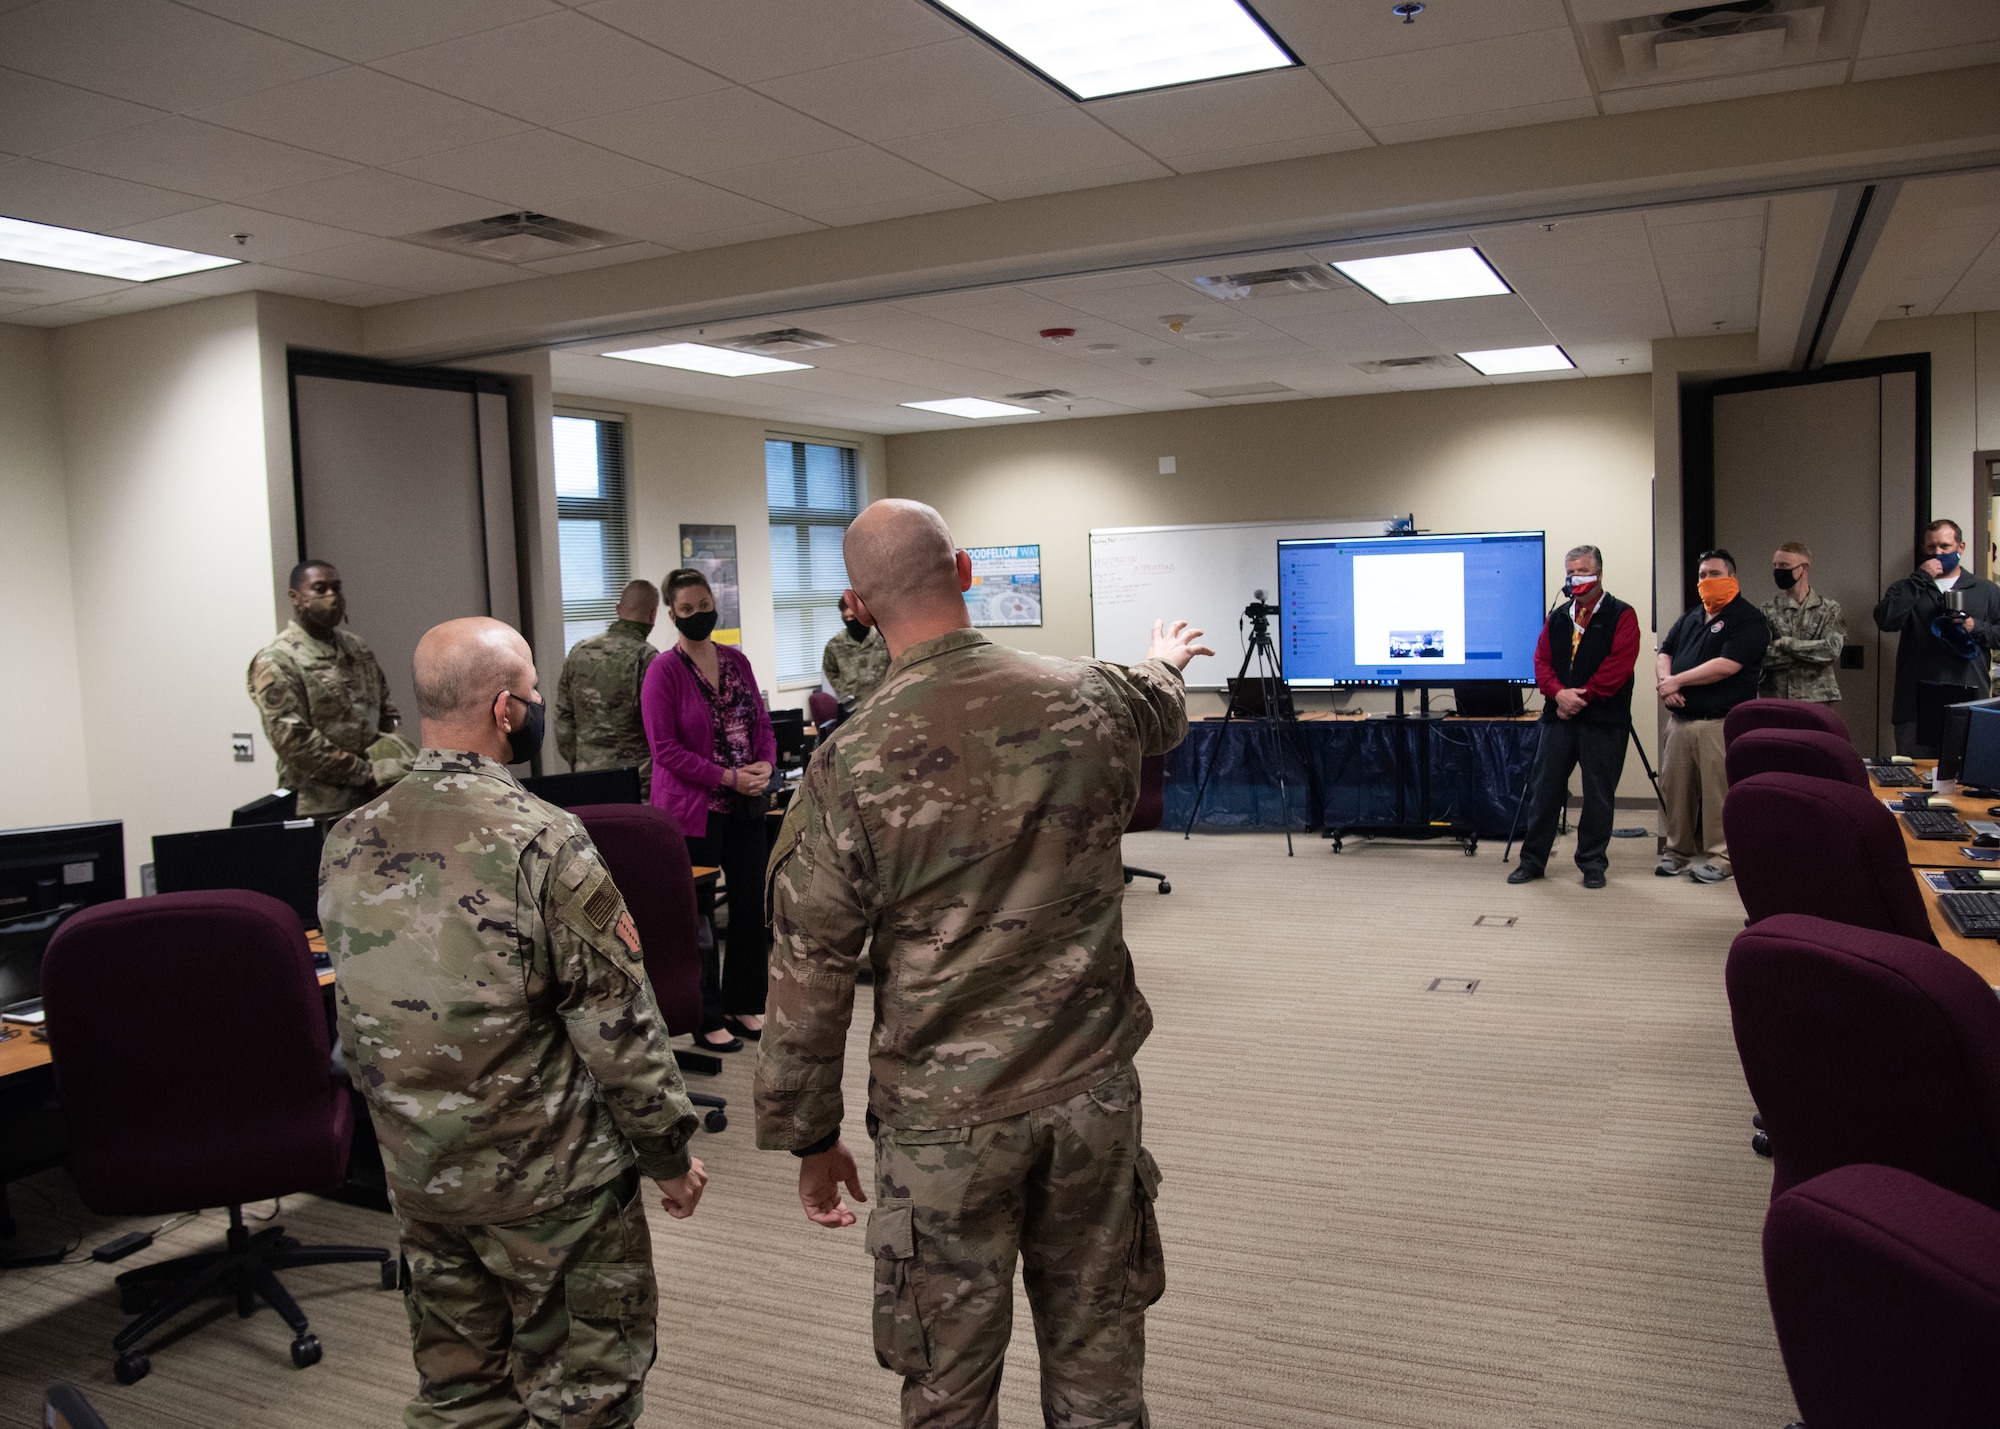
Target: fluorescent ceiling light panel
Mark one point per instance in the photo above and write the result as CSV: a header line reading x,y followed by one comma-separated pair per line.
x,y
1095,48
1426,277
75,251
1505,361
973,407
716,361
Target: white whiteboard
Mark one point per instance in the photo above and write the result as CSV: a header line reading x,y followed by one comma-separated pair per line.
x,y
1203,574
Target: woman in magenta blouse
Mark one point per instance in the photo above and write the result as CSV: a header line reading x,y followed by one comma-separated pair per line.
x,y
712,751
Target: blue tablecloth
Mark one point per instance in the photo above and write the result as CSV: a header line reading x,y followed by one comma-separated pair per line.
x,y
1478,769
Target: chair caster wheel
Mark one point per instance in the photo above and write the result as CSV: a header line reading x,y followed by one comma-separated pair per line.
x,y
716,1120
305,1351
1166,887
131,1368
391,1275
1757,1120
1761,1144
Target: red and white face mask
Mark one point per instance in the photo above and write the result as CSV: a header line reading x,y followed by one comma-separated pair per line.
x,y
1574,586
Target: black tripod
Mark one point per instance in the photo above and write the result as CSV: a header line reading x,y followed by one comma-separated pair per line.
x,y
1529,783
1270,687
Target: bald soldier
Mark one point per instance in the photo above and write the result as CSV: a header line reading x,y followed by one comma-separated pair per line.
x,y
495,1013
597,697
324,702
964,825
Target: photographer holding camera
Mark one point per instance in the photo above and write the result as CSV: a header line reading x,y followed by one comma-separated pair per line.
x,y
1949,619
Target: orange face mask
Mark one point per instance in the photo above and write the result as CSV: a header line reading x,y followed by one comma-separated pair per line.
x,y
1716,592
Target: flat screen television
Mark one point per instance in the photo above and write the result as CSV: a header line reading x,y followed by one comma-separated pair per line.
x,y
1411,610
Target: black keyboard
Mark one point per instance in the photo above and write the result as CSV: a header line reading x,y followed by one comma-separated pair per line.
x,y
1975,915
1937,824
1896,776
1972,879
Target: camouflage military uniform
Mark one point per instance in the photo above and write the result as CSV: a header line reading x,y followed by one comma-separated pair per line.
x,y
323,703
966,824
495,1013
597,702
855,667
1804,653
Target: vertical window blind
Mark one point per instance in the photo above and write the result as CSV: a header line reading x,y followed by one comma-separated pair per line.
x,y
815,491
591,529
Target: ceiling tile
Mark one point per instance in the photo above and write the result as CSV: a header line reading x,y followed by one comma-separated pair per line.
x,y
212,229
599,258
1228,114
947,86
39,114
536,170
1706,212
1270,153
1025,149
1065,180
198,158
386,262
675,209
48,193
1509,73
1735,86
25,283
1526,247
846,215
1486,120
1708,237
361,115
751,40
748,233
822,183
1928,61
150,52
723,129
1325,32
551,70
375,201
1901,26
369,29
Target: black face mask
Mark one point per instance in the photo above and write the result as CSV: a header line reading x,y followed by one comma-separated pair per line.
x,y
696,627
856,629
1785,576
526,742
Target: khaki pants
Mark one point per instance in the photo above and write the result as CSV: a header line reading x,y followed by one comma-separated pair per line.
x,y
1068,1188
546,1322
1692,788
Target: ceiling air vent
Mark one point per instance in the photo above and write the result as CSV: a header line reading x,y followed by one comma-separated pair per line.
x,y
784,339
517,238
1044,394
1632,42
1247,389
1386,365
1229,287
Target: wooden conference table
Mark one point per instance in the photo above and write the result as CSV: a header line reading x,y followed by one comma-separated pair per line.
x,y
1982,955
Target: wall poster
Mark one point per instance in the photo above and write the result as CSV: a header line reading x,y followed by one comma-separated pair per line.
x,y
712,551
1006,585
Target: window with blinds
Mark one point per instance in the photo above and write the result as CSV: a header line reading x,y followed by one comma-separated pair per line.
x,y
815,491
590,522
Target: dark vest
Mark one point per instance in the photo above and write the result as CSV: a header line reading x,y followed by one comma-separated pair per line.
x,y
1575,671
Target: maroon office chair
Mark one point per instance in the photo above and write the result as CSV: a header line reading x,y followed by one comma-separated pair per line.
x,y
648,859
1805,845
1781,714
191,1054
1862,1046
1885,1291
1795,751
825,709
1147,813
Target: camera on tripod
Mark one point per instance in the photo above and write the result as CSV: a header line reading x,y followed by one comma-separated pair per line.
x,y
1257,612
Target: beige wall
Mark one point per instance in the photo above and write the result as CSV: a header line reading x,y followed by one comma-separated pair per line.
x,y
1570,457
699,468
42,774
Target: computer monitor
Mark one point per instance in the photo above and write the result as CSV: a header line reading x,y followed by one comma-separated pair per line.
x,y
1488,699
1951,749
1411,610
589,786
277,807
1246,698
1980,768
281,860
42,869
21,942
788,727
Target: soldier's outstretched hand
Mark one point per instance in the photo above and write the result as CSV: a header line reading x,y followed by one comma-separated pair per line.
x,y
682,1194
1176,644
820,1178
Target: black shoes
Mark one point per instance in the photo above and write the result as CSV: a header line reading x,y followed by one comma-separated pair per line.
x,y
748,1034
1524,874
702,1044
1593,878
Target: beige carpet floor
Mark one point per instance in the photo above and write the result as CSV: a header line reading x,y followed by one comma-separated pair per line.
x,y
1533,1206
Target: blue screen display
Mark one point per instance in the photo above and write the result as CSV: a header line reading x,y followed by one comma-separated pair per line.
x,y
1411,610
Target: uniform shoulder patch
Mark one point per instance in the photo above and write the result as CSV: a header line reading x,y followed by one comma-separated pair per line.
x,y
628,933
601,905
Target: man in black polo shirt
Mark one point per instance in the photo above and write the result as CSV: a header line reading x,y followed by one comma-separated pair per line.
x,y
1707,665
1584,664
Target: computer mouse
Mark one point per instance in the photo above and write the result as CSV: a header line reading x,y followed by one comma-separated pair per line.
x,y
1994,811
1986,841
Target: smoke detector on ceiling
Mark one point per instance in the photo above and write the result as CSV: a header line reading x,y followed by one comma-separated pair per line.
x,y
1307,278
517,238
1387,365
784,339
